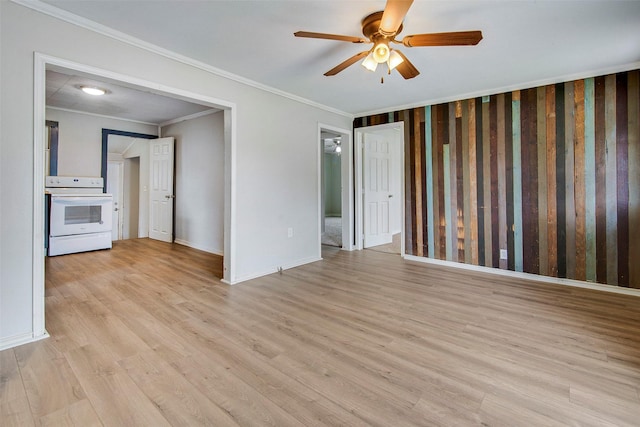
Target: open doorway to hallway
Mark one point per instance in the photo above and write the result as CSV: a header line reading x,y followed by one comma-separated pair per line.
x,y
335,189
331,189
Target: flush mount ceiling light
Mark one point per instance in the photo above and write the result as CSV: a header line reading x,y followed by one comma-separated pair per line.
x,y
380,29
92,90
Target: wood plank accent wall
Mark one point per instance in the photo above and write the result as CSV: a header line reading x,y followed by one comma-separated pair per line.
x,y
551,175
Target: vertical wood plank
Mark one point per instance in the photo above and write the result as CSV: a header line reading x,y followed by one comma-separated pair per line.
x,y
634,177
561,226
443,131
480,181
552,212
542,135
447,197
487,184
601,190
409,190
417,179
436,174
590,180
622,168
569,181
516,133
542,181
459,213
508,118
452,201
531,256
493,148
502,177
429,178
423,177
466,181
611,182
473,182
579,181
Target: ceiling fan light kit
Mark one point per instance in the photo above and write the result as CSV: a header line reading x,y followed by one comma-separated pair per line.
x,y
370,63
381,28
381,51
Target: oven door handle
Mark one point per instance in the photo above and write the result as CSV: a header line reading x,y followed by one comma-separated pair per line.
x,y
83,200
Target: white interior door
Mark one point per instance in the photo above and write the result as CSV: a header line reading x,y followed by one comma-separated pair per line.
x,y
161,186
378,195
115,178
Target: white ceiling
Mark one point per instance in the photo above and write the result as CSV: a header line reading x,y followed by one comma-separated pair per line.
x,y
525,43
63,88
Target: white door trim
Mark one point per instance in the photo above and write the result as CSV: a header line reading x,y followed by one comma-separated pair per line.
x,y
346,169
359,181
118,204
41,61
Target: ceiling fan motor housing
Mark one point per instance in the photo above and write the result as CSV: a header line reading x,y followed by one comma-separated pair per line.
x,y
371,27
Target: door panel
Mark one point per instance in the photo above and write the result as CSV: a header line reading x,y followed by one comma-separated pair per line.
x,y
161,186
377,191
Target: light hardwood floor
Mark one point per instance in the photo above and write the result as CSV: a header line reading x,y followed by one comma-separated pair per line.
x,y
145,335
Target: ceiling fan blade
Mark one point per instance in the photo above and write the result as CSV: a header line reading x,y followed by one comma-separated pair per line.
x,y
459,38
329,37
393,15
406,68
355,58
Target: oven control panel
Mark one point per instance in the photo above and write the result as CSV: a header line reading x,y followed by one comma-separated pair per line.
x,y
74,181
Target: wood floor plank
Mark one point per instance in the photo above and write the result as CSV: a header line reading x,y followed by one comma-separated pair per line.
x,y
245,405
77,414
146,334
16,412
11,385
114,395
175,397
49,382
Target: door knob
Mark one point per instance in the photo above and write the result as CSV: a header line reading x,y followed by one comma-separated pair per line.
x,y
169,196
390,195
116,209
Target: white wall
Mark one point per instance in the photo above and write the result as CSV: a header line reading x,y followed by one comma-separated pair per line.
x,y
276,140
199,209
80,140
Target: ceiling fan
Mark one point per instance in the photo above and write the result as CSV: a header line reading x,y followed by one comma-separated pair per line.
x,y
380,29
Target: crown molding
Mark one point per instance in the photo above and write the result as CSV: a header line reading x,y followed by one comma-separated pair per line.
x,y
508,88
79,21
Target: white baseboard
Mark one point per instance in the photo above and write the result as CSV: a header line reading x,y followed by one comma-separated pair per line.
x,y
528,276
272,270
200,247
21,339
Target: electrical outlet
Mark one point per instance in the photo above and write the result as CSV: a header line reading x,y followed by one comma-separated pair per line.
x,y
290,232
503,254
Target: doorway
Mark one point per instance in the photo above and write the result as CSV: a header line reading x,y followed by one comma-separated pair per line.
x,y
379,155
335,154
331,189
122,152
44,62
